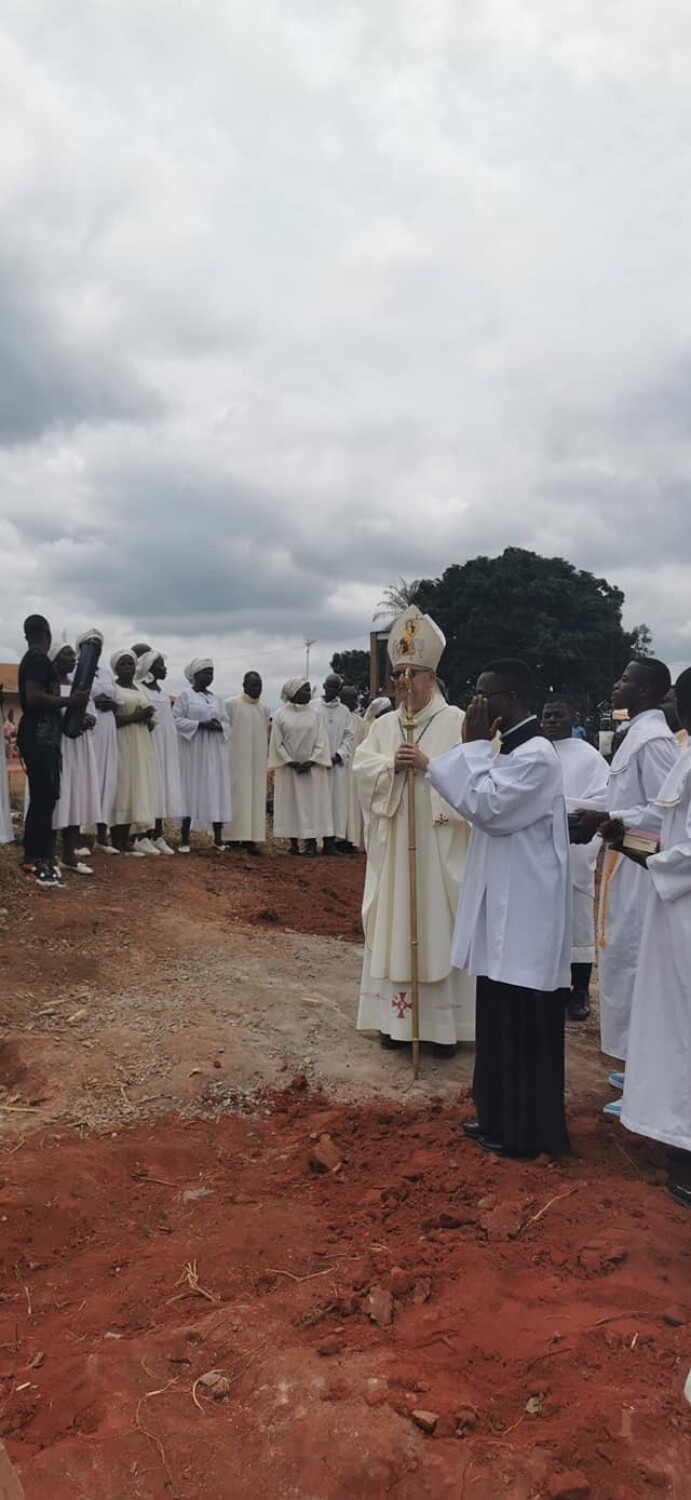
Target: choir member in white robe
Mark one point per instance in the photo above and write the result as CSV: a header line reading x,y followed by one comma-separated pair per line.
x,y
355,825
150,674
105,697
248,750
135,794
513,928
644,758
446,996
6,830
338,723
202,725
299,755
79,802
657,1086
585,779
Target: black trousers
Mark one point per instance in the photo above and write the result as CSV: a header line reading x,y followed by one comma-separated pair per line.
x,y
580,977
519,1067
43,774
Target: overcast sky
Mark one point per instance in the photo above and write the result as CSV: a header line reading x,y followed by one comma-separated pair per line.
x,y
296,297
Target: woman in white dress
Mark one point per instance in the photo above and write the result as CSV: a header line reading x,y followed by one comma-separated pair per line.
x,y
79,803
151,672
6,832
104,695
299,754
135,793
202,725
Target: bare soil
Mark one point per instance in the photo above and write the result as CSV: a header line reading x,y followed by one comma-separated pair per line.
x,y
206,1173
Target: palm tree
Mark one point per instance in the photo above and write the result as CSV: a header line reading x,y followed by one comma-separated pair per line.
x,y
397,597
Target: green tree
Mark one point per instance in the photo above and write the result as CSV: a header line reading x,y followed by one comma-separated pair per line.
x,y
396,598
353,667
564,622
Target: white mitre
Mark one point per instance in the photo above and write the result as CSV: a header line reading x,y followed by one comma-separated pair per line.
x,y
415,641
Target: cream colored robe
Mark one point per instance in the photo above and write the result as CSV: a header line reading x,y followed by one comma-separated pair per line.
x,y
355,830
302,803
447,996
248,750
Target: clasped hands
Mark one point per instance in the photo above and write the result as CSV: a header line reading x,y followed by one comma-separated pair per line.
x,y
410,758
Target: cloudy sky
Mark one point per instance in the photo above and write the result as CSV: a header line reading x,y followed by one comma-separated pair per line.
x,y
296,297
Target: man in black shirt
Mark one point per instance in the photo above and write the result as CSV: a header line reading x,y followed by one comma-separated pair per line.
x,y
38,740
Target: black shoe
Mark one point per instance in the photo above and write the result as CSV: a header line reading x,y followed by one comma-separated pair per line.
x,y
444,1049
578,1008
471,1128
680,1193
390,1043
250,847
486,1143
311,847
294,848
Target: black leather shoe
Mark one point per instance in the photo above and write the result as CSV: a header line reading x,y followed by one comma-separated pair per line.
x,y
471,1128
680,1193
444,1049
390,1043
487,1144
578,1008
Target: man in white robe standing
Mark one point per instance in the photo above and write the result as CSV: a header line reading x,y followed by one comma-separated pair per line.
x,y
657,1088
339,732
300,757
643,760
248,749
354,829
585,779
106,701
446,996
513,929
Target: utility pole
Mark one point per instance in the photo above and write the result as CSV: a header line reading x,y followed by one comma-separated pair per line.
x,y
308,645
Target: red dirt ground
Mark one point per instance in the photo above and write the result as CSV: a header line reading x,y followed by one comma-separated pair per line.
x,y
539,1313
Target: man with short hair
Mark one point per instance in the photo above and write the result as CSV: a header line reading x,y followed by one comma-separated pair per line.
x,y
38,740
248,749
513,929
446,997
585,777
339,731
643,760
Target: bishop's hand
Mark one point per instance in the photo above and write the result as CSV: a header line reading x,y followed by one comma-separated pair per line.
x,y
410,758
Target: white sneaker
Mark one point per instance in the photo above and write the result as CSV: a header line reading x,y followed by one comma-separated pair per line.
x,y
135,854
83,853
105,849
145,846
163,847
79,869
184,849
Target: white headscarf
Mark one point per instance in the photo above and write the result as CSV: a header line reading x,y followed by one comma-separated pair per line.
x,y
89,635
376,707
118,656
292,687
57,647
145,663
197,664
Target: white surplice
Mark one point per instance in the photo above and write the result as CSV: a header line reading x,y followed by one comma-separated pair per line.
x,y
586,775
6,830
446,996
644,759
169,801
106,742
657,1088
355,827
135,795
514,915
302,803
79,803
248,750
203,757
339,732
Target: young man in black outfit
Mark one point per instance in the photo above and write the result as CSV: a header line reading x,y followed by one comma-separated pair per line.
x,y
38,740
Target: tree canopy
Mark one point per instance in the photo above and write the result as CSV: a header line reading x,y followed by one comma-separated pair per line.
x,y
353,667
563,621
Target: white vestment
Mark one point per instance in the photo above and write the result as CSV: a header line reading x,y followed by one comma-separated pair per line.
x,y
248,749
106,741
446,997
585,781
514,915
6,830
657,1088
644,759
169,801
135,795
203,758
355,827
302,802
79,803
339,732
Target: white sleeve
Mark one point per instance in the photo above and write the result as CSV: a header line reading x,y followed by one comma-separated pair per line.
x,y
655,761
500,795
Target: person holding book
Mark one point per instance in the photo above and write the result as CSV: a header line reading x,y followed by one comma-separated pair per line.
x,y
657,1088
644,758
